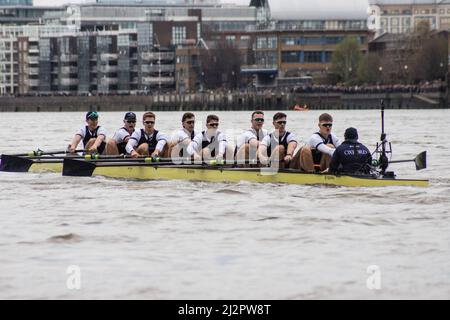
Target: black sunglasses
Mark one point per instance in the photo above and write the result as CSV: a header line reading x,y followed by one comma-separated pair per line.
x,y
131,121
281,122
327,125
214,125
190,122
149,122
259,119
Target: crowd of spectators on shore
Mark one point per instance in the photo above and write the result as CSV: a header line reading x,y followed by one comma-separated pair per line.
x,y
425,87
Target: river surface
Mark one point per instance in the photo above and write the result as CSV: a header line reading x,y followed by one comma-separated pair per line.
x,y
193,240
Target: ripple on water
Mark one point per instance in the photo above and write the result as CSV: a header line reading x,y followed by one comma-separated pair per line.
x,y
69,237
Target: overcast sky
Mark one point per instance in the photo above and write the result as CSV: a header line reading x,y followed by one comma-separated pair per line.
x,y
286,8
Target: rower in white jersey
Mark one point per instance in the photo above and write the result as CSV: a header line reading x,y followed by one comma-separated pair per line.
x,y
316,155
117,144
183,137
148,141
92,136
248,142
279,145
211,143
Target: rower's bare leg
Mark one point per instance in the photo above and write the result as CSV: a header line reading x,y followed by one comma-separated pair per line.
x,y
174,150
165,152
89,144
143,150
277,157
111,148
306,159
295,163
242,154
253,152
206,154
229,155
326,160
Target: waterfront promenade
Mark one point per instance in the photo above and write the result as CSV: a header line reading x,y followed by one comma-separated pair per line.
x,y
233,101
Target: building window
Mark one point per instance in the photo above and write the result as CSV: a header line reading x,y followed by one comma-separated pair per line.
x,y
312,56
272,43
291,57
288,41
178,35
261,43
230,39
313,40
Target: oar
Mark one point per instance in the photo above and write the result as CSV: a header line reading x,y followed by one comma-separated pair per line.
x,y
81,168
420,160
39,153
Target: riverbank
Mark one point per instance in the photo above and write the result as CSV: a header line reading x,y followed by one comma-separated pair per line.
x,y
222,102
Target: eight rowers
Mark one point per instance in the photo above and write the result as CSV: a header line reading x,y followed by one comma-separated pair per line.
x,y
92,135
117,144
183,137
351,157
248,143
279,145
210,143
147,141
316,154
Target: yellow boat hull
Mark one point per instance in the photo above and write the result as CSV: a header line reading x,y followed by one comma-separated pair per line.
x,y
38,167
233,175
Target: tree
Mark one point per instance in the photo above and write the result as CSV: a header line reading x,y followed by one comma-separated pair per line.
x,y
369,69
221,66
346,59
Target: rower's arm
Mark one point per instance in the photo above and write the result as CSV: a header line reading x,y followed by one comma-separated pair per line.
x,y
222,147
325,149
160,145
262,154
98,141
132,143
291,148
75,142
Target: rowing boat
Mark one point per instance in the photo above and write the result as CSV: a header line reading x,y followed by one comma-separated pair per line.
x,y
143,171
127,169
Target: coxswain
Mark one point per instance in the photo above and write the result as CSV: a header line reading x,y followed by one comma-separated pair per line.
x,y
249,141
351,157
280,145
316,155
117,144
92,135
148,141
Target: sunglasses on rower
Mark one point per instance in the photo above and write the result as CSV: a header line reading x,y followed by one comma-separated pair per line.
x,y
190,122
327,125
149,122
281,122
214,125
259,119
131,121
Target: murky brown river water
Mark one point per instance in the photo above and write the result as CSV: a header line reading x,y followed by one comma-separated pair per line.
x,y
185,240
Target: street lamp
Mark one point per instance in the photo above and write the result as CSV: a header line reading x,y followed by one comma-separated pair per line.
x,y
380,68
406,73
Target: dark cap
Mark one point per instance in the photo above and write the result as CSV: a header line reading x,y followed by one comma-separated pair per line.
x,y
351,134
130,116
92,115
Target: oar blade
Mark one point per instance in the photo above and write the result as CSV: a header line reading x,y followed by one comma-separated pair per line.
x,y
14,164
421,161
78,168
